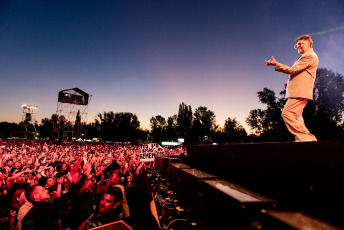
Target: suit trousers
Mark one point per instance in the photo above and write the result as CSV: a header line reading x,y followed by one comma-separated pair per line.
x,y
292,116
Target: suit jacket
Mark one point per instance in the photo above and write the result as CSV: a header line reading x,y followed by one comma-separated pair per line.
x,y
301,75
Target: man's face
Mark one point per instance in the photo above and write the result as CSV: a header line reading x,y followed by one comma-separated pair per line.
x,y
21,199
17,165
302,46
21,179
106,203
63,167
50,182
9,163
42,194
49,172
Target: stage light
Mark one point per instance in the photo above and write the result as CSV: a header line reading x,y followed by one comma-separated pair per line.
x,y
29,107
169,143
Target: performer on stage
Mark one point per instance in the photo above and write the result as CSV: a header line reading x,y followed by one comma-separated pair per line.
x,y
299,87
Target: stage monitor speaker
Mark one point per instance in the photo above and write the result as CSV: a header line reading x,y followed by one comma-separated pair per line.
x,y
167,164
159,164
287,220
162,163
117,225
174,174
240,208
189,188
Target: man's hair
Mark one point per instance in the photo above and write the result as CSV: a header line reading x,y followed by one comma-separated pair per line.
x,y
116,192
29,193
305,37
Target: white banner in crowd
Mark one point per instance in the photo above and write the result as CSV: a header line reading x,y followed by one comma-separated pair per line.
x,y
148,151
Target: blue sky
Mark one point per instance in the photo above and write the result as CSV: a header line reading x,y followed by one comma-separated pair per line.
x,y
147,57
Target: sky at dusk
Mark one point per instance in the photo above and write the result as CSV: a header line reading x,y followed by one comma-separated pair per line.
x,y
147,57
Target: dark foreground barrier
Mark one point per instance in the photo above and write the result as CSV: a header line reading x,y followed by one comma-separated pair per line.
x,y
273,219
304,177
190,188
174,175
226,204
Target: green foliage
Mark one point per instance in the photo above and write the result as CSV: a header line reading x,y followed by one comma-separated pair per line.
x,y
184,119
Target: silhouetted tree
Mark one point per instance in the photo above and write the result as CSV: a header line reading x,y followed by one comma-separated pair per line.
x,y
269,123
184,120
158,123
118,126
158,127
203,124
45,129
126,127
93,130
106,125
6,128
324,115
171,129
234,131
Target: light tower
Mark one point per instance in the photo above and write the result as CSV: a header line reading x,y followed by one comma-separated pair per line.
x,y
71,115
29,120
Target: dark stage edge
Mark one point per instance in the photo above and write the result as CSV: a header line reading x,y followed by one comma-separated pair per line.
x,y
301,176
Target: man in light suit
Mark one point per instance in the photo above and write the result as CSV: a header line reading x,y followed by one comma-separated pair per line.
x,y
299,87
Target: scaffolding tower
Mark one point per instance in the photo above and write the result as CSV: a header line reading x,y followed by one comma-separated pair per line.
x,y
27,125
71,115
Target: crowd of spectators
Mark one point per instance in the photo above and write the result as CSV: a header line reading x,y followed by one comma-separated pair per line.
x,y
75,186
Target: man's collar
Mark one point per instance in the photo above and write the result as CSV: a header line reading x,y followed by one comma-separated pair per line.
x,y
308,51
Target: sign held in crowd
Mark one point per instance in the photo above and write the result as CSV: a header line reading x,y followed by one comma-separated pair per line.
x,y
148,151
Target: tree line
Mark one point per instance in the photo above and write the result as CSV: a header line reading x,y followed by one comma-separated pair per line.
x,y
323,117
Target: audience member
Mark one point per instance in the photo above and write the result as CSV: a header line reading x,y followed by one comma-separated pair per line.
x,y
109,210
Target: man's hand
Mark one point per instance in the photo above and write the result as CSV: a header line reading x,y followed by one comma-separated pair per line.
x,y
60,180
272,61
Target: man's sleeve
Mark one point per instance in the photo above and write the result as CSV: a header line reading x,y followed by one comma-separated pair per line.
x,y
74,190
302,64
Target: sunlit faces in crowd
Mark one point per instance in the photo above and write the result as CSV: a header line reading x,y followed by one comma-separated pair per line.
x,y
17,165
49,172
63,167
21,179
9,163
21,199
107,203
50,182
38,193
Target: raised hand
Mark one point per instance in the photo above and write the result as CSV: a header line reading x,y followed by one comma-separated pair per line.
x,y
272,61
